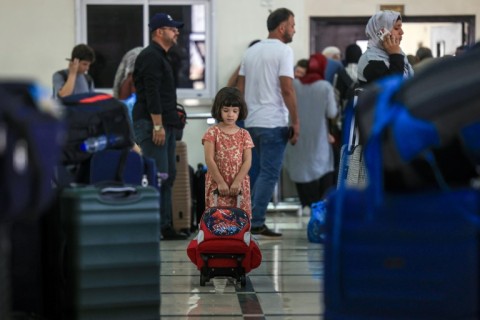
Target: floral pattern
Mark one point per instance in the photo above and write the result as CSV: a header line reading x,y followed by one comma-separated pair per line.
x,y
229,158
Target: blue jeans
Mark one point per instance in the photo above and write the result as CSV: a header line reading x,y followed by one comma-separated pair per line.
x,y
267,160
165,157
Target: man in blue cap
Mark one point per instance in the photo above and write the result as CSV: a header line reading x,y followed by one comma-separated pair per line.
x,y
155,118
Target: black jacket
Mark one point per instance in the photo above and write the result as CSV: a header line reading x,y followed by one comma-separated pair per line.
x,y
155,86
378,69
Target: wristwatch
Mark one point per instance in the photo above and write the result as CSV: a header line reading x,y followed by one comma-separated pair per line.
x,y
157,127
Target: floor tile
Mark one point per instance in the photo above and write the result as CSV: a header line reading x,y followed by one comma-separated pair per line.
x,y
287,285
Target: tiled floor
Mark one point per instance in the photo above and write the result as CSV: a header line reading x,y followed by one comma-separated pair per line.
x,y
287,285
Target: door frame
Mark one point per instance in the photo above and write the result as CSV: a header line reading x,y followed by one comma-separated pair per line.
x,y
316,24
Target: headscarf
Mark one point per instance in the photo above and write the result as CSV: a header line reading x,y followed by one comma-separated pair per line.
x,y
375,51
125,67
316,69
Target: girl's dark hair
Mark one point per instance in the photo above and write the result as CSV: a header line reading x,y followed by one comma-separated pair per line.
x,y
276,17
229,96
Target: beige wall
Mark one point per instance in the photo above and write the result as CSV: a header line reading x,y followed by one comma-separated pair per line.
x,y
37,35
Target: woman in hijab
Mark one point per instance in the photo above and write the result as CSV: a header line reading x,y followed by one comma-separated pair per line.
x,y
310,162
383,55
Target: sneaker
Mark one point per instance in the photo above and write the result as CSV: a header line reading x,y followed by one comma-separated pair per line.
x,y
265,231
170,234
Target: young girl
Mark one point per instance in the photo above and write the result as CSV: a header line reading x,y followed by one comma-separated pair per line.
x,y
228,152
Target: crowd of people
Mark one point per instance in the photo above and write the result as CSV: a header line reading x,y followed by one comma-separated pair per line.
x,y
292,112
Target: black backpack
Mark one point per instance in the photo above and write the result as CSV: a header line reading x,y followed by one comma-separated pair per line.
x,y
93,115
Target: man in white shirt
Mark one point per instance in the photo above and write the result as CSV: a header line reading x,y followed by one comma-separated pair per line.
x,y
265,78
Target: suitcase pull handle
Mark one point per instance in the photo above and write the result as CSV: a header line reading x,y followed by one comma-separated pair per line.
x,y
216,194
118,192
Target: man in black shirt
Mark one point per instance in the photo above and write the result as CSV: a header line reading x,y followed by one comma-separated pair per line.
x,y
155,117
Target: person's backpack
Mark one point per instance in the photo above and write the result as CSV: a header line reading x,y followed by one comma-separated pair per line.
x,y
346,86
94,115
64,74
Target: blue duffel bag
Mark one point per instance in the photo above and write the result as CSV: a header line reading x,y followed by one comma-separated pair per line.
x,y
440,107
407,255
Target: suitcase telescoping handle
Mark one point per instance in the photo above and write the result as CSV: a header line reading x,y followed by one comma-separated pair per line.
x,y
216,193
116,193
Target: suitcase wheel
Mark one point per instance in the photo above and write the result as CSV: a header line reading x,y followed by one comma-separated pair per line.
x,y
243,281
203,279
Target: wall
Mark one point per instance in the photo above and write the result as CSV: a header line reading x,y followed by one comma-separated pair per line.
x,y
37,36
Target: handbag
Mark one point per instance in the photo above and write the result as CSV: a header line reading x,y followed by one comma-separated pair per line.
x,y
351,165
409,255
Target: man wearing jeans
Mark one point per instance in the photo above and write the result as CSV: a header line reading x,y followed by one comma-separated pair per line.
x,y
265,78
154,114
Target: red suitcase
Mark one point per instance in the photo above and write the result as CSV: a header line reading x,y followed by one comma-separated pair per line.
x,y
224,245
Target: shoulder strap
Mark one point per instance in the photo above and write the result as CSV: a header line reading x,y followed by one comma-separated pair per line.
x,y
89,78
122,164
64,74
346,78
89,81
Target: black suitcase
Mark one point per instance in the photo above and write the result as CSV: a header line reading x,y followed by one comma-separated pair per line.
x,y
112,252
181,191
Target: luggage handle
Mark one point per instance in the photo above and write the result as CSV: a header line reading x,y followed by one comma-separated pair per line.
x,y
352,133
115,193
216,193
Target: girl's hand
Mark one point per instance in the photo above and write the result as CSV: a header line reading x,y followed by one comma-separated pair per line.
x,y
223,189
235,189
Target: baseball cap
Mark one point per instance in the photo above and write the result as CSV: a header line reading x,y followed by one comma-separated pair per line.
x,y
160,20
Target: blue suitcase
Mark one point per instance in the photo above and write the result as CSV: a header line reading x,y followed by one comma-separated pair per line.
x,y
413,257
124,166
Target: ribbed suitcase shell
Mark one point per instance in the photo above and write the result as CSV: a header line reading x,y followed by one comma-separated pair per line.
x,y
415,257
113,253
181,192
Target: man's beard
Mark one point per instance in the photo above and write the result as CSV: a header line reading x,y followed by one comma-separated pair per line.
x,y
287,38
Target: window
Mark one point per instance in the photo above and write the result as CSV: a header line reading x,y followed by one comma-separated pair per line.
x,y
112,28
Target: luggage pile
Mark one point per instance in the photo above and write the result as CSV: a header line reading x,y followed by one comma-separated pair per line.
x,y
110,222
406,246
30,139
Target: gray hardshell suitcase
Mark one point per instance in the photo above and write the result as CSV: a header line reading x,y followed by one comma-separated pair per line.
x,y
112,254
